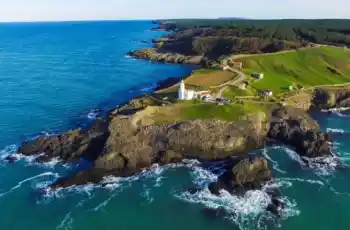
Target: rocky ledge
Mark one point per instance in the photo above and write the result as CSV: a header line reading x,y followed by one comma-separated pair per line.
x,y
297,129
158,55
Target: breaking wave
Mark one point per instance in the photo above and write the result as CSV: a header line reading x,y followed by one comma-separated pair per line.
x,y
338,111
247,212
50,175
275,164
112,183
330,130
9,155
321,165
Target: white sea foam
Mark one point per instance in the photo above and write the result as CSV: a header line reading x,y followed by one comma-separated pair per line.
x,y
10,152
247,212
338,111
92,115
321,165
334,110
331,130
275,164
19,184
318,182
146,193
148,89
103,204
66,223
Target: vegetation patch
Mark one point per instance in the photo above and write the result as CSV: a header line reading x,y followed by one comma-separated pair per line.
x,y
305,67
232,92
207,78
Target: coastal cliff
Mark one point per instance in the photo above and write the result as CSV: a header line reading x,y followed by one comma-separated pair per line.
x,y
135,136
126,144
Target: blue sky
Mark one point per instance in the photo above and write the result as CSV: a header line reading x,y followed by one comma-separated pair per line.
x,y
62,10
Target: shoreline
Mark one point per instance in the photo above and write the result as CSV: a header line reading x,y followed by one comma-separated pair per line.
x,y
129,140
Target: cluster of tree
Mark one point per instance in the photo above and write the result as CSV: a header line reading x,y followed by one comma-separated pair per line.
x,y
322,31
215,46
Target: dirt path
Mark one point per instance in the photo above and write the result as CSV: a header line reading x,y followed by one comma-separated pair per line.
x,y
241,77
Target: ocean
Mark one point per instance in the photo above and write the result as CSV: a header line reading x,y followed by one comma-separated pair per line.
x,y
53,76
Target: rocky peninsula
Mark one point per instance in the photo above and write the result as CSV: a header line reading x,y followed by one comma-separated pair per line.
x,y
138,134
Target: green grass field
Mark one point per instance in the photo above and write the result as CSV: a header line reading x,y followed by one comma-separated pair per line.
x,y
233,91
307,67
207,78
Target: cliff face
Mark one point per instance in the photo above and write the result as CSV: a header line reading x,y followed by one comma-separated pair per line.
x,y
295,128
326,99
125,144
131,147
321,98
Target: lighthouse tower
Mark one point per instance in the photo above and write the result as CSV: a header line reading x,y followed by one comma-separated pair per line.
x,y
182,91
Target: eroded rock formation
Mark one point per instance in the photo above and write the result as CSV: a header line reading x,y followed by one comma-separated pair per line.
x,y
125,144
297,129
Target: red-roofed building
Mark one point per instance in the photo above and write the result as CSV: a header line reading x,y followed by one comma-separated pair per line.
x,y
237,64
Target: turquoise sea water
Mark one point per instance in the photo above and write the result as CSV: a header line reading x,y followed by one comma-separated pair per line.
x,y
53,74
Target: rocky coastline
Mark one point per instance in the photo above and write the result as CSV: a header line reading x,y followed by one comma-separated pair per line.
x,y
124,143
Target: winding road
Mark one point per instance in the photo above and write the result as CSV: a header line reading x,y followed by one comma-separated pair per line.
x,y
241,77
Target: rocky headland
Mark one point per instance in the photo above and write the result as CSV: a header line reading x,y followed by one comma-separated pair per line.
x,y
128,140
125,143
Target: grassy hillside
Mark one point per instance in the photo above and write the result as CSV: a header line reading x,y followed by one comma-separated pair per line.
x,y
307,67
193,110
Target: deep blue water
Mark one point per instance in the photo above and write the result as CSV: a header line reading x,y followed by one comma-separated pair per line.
x,y
53,74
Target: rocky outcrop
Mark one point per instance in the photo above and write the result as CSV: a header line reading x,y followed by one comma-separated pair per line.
x,y
70,146
243,174
167,57
131,147
248,173
294,127
327,98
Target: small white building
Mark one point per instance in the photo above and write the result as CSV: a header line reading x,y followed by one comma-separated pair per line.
x,y
266,93
258,75
184,94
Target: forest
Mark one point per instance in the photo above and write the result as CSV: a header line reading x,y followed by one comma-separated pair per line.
x,y
321,31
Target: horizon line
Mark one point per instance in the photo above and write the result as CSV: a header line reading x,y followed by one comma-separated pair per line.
x,y
157,19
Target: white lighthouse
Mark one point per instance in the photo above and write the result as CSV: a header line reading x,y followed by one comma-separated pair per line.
x,y
182,91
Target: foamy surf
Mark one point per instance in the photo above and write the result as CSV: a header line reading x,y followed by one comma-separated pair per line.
x,y
19,184
148,89
320,165
331,130
247,212
338,111
275,164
